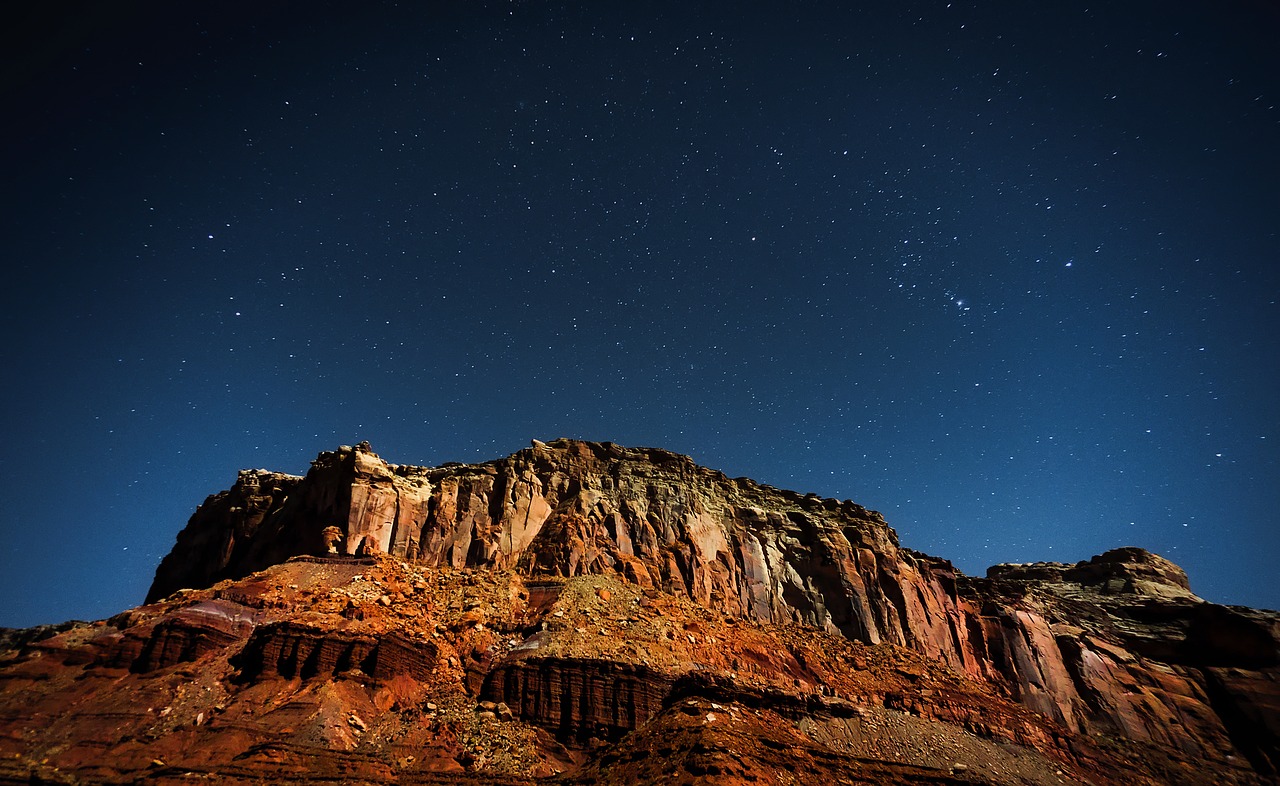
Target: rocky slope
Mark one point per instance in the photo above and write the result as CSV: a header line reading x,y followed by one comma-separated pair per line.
x,y
586,613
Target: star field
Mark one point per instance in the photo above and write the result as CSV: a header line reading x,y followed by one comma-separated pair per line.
x,y
1007,274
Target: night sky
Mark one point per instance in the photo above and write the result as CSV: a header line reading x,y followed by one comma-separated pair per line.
x,y
1006,272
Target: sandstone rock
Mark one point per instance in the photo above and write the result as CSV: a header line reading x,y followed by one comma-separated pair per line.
x,y
679,570
331,536
310,695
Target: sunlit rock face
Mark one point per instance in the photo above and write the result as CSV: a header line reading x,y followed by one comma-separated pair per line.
x,y
1114,647
571,508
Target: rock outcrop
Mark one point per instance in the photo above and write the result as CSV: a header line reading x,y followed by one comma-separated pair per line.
x,y
572,508
587,593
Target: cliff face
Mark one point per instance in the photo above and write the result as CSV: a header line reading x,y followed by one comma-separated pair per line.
x,y
1117,645
799,613
574,508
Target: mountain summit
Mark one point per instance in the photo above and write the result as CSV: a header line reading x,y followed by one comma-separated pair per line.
x,y
585,613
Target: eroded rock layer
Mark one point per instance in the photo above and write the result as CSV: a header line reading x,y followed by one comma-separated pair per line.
x,y
582,596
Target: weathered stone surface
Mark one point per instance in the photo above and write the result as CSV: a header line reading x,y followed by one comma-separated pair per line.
x,y
579,698
1123,571
570,508
602,593
477,676
287,649
194,631
1116,645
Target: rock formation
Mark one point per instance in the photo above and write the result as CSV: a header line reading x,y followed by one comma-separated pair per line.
x,y
598,604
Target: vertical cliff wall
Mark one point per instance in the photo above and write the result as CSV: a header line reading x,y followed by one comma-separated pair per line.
x,y
1114,646
570,508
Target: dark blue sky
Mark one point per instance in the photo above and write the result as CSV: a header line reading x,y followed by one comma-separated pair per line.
x,y
1006,273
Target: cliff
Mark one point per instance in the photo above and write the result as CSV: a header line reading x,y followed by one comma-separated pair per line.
x,y
630,592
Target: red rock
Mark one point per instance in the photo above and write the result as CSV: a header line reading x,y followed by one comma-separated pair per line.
x,y
748,592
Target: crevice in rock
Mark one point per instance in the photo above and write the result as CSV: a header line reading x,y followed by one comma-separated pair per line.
x,y
1246,724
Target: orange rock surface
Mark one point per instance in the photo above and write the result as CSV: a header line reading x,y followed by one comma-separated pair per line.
x,y
583,613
